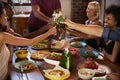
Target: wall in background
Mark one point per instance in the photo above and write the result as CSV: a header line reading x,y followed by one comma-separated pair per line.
x,y
66,8
109,2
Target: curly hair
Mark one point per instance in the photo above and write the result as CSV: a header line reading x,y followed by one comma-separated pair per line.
x,y
115,11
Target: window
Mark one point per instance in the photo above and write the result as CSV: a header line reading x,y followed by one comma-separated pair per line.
x,y
21,2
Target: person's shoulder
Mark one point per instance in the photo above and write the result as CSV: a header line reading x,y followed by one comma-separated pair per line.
x,y
97,22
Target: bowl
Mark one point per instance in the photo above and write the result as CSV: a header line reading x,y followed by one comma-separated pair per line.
x,y
89,53
21,54
86,74
73,50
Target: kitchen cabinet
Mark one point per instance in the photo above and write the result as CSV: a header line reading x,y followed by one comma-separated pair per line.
x,y
19,24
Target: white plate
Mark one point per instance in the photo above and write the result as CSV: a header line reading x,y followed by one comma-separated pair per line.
x,y
105,68
99,78
53,62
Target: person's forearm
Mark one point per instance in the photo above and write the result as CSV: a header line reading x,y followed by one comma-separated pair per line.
x,y
41,16
39,31
91,29
38,14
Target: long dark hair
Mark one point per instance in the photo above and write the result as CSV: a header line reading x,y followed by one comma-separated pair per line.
x,y
115,11
2,28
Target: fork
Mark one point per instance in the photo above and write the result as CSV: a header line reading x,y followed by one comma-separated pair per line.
x,y
22,71
19,76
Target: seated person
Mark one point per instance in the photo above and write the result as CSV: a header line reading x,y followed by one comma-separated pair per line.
x,y
112,19
93,14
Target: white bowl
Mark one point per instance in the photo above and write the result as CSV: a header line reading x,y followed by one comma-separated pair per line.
x,y
86,74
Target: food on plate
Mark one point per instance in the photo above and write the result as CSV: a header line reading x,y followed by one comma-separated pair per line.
x,y
39,46
90,63
55,56
22,54
39,55
86,74
78,44
57,44
89,53
73,50
95,67
58,73
25,65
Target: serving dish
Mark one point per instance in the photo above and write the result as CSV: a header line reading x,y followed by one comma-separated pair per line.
x,y
21,53
89,53
57,73
54,58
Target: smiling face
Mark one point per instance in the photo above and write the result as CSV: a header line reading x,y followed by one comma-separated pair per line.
x,y
110,21
91,11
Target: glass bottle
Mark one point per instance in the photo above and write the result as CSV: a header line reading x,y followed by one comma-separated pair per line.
x,y
66,61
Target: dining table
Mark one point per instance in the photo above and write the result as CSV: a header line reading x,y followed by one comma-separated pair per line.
x,y
38,74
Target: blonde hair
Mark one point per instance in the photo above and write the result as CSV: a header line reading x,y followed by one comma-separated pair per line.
x,y
97,7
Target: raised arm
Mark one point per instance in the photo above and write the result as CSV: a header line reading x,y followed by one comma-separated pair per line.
x,y
18,41
92,30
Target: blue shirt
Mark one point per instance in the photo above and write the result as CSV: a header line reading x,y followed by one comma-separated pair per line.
x,y
111,34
